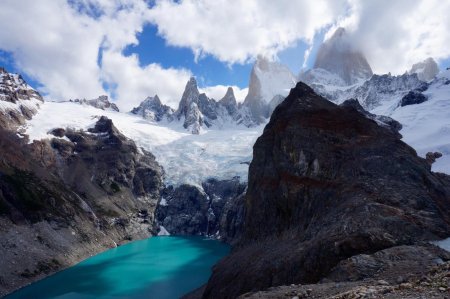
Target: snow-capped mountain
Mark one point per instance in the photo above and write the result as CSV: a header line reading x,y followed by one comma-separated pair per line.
x,y
18,100
268,79
152,109
426,70
102,102
338,56
269,83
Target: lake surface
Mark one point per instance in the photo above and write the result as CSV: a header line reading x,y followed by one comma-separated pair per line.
x,y
163,267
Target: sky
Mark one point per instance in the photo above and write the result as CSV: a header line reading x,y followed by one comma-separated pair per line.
x,y
131,49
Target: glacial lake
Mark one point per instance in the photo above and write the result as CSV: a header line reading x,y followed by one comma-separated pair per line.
x,y
163,267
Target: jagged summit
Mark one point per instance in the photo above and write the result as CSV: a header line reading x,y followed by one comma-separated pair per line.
x,y
267,80
338,56
102,102
229,101
18,100
152,109
426,70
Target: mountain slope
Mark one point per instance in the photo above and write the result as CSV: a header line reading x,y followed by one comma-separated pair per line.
x,y
326,183
18,100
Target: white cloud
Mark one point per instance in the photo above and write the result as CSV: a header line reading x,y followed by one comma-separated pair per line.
x,y
217,92
396,34
235,31
136,83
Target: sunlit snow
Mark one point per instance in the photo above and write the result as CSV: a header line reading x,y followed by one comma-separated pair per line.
x,y
186,158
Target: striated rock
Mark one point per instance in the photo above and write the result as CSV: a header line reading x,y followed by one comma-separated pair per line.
x,y
338,56
426,70
152,109
102,102
325,184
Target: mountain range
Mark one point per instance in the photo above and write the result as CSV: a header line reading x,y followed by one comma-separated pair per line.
x,y
327,179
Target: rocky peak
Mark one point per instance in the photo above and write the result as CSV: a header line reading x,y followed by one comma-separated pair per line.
x,y
190,95
338,55
18,100
425,70
102,102
152,109
326,184
229,101
267,79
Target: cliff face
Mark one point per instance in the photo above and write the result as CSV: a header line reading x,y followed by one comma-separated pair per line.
x,y
64,199
327,183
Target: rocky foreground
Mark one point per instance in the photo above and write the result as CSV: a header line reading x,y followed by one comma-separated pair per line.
x,y
333,196
435,284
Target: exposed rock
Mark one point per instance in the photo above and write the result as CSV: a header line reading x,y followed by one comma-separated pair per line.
x,y
382,120
425,70
385,88
276,100
433,284
101,102
229,102
431,157
267,80
152,109
18,101
68,198
326,183
187,210
412,98
338,56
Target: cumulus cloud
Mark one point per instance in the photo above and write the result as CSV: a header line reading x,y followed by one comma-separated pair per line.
x,y
396,34
235,31
136,83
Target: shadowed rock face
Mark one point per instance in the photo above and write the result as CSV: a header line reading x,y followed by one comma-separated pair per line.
x,y
326,183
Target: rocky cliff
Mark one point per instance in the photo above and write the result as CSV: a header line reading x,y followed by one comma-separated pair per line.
x,y
64,199
326,184
18,100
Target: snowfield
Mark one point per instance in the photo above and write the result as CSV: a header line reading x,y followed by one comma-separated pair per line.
x,y
426,126
225,153
186,158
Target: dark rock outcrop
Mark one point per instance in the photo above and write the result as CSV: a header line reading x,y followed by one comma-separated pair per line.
x,y
64,199
326,183
187,210
431,157
412,98
385,121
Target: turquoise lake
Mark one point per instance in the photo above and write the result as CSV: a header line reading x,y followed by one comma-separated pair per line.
x,y
160,267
